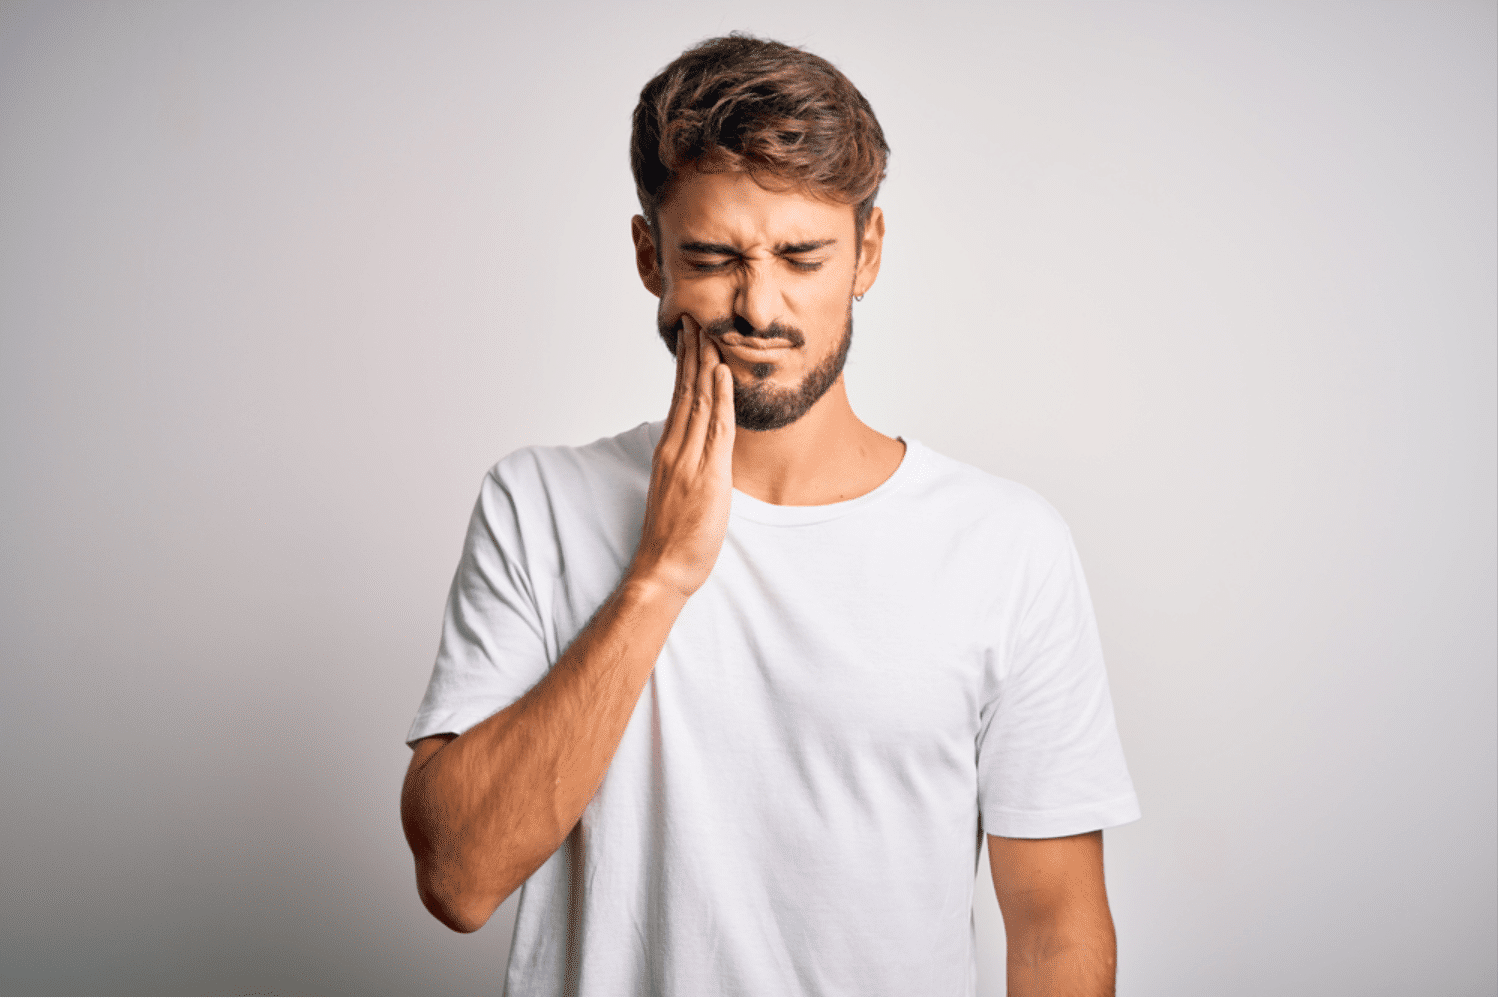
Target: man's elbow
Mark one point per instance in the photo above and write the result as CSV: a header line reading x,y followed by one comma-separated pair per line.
x,y
459,911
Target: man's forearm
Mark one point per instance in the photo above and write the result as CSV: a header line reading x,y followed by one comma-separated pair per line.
x,y
485,810
1078,963
491,806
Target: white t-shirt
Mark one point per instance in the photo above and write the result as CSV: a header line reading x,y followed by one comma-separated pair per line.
x,y
856,694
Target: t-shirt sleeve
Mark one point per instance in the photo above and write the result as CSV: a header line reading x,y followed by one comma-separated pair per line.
x,y
1049,758
493,646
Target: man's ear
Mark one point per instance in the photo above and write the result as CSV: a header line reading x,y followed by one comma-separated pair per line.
x,y
869,250
645,257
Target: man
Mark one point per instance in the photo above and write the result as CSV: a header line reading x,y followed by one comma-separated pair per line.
x,y
735,696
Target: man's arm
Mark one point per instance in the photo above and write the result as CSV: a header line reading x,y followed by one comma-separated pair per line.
x,y
1056,918
484,810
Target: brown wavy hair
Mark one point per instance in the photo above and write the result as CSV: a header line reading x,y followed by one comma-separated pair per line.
x,y
786,117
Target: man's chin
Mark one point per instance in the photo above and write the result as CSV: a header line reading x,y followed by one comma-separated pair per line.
x,y
756,409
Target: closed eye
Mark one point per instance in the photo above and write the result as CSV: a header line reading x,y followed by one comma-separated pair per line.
x,y
709,265
712,264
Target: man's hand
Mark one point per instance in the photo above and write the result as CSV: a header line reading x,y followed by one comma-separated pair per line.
x,y
691,476
484,811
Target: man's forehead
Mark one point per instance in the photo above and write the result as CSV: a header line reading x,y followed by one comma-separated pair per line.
x,y
734,209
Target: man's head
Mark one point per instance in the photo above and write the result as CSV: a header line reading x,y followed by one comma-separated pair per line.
x,y
757,165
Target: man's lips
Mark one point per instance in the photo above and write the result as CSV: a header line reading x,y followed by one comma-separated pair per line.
x,y
750,344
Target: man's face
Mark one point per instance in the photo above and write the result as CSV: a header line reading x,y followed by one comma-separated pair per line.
x,y
770,276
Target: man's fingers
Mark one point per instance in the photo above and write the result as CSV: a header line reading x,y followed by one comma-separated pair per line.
x,y
681,395
720,435
671,420
686,345
681,337
702,401
688,349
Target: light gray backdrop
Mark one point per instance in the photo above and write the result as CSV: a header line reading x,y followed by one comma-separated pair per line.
x,y
278,282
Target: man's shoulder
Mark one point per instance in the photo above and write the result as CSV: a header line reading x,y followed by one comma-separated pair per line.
x,y
616,460
966,494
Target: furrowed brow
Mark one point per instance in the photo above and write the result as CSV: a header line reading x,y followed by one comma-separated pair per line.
x,y
720,249
806,247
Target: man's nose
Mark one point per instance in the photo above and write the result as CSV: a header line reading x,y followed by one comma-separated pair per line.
x,y
757,299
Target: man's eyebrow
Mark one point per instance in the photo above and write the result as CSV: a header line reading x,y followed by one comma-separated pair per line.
x,y
806,247
721,249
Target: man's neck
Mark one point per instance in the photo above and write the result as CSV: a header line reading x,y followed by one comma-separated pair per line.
x,y
827,456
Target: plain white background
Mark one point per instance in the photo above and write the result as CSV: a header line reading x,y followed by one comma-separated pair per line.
x,y
278,282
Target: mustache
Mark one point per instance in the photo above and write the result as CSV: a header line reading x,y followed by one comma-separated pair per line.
x,y
737,324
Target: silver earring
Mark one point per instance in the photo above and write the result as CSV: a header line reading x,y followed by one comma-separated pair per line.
x,y
859,298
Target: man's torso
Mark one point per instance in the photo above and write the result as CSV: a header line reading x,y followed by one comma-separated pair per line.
x,y
794,806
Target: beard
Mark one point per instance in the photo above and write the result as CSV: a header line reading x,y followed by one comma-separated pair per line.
x,y
759,405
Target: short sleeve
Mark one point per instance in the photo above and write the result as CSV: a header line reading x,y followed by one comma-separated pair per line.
x,y
493,646
1049,758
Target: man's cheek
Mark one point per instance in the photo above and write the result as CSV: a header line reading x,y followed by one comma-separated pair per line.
x,y
672,307
699,307
667,324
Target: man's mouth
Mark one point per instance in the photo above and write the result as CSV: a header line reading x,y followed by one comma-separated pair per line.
x,y
735,334
751,345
